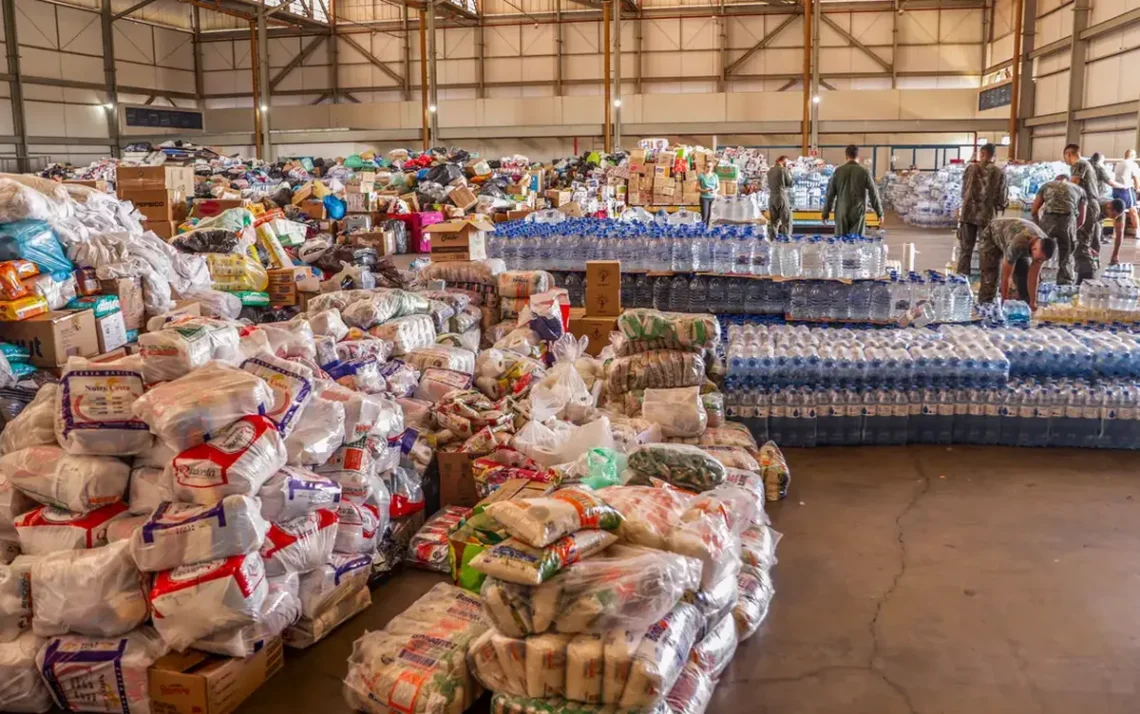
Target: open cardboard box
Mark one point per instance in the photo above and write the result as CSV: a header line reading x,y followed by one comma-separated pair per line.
x,y
193,682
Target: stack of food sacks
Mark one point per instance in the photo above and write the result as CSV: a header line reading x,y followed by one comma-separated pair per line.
x,y
478,280
74,604
516,287
575,618
418,663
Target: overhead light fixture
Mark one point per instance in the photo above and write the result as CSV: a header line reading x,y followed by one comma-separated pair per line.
x,y
432,109
815,99
1005,140
617,102
264,108
109,105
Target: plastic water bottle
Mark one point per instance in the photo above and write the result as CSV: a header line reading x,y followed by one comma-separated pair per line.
x,y
735,295
880,302
698,295
717,296
575,289
679,294
761,256
943,298
963,300
643,291
662,294
860,302
811,258
628,289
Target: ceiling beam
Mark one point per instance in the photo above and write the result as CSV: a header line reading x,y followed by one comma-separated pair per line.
x,y
854,42
137,6
296,61
376,61
764,42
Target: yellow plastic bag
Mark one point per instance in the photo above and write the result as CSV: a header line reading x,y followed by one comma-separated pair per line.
x,y
232,272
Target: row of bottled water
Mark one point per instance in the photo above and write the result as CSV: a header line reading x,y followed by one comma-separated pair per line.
x,y
1110,293
816,257
1077,413
1078,352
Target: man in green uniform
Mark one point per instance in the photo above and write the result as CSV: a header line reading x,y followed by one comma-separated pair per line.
x,y
984,195
1059,208
1087,249
850,188
779,202
1012,247
1114,210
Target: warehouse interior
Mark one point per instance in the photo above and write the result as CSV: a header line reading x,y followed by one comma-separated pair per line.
x,y
912,579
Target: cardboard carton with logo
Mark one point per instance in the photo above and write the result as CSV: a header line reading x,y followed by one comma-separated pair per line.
x,y
53,337
193,682
129,291
156,204
150,178
112,333
459,240
603,288
597,329
285,284
210,207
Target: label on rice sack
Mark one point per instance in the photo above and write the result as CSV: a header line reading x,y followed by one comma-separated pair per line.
x,y
93,412
194,601
357,528
332,582
292,386
48,529
236,461
180,533
300,545
293,492
516,562
541,521
111,675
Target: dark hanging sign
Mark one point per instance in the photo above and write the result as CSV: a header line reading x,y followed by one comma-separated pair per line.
x,y
1000,95
163,118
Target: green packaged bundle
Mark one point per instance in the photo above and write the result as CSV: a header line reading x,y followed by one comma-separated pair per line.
x,y
682,465
252,298
646,329
14,353
102,305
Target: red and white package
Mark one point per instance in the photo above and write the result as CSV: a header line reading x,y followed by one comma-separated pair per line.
x,y
236,461
193,602
358,527
293,492
300,545
183,533
324,587
48,529
365,414
353,468
280,610
292,385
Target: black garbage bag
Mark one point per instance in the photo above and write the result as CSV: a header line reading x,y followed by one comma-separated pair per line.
x,y
282,197
206,241
444,174
493,188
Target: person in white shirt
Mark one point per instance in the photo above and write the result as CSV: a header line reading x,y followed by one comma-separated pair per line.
x,y
1128,175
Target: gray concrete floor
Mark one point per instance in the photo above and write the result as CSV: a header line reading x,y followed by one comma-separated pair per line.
x,y
911,579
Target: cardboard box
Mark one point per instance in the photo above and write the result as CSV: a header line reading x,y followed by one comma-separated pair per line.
x,y
130,295
97,184
519,214
598,329
286,283
666,158
117,353
668,189
163,229
660,182
383,241
637,160
358,202
191,308
459,240
456,484
314,208
729,188
158,204
660,171
603,288
210,207
690,199
572,209
635,198
559,198
463,197
197,683
112,333
302,193
478,167
53,337
147,178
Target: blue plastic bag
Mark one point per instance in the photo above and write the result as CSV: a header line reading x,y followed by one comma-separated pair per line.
x,y
335,207
34,241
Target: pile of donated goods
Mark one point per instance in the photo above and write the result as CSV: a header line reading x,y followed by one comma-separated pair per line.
x,y
234,482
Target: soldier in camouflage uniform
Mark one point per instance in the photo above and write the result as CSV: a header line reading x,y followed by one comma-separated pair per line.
x,y
983,197
848,192
779,202
1012,247
1087,249
1059,208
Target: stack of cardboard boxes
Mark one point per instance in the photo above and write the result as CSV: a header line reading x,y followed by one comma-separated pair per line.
x,y
603,304
666,181
459,240
159,193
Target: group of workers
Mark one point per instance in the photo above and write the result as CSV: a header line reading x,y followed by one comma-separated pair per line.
x,y
1066,222
850,189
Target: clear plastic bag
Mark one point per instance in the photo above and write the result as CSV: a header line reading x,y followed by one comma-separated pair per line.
x,y
184,345
455,359
183,413
15,602
645,328
777,475
75,669
563,394
734,457
292,386
597,468
79,484
649,514
34,241
693,690
309,631
358,527
301,544
93,409
237,460
334,581
35,425
289,339
524,283
756,591
406,333
48,529
679,464
539,522
680,412
428,548
656,369
280,610
365,414
657,662
367,346
516,562
373,310
295,492
96,592
182,533
22,689
328,323
231,272
192,602
436,383
540,442
318,433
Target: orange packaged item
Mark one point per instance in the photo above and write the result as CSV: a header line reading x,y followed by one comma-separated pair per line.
x,y
10,284
87,282
23,308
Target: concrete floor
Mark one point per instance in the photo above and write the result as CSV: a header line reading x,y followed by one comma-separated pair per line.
x,y
911,579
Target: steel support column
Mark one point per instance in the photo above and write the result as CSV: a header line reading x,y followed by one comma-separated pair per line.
x,y
1018,20
109,77
817,17
334,55
895,47
1028,89
558,48
606,51
617,74
722,49
805,138
255,82
434,81
407,94
637,41
199,78
15,86
424,82
1078,54
480,76
263,83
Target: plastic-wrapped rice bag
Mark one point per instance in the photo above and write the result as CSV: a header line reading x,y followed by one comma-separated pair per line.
x,y
406,333
649,514
93,410
237,460
309,631
185,412
680,412
715,650
650,329
402,378
367,346
191,602
96,592
233,272
184,533
79,484
524,283
358,527
516,562
292,386
124,527
377,308
756,591
362,374
280,610
713,403
455,359
158,456
734,457
429,547
289,339
758,546
436,383
34,426
22,689
328,323
584,669
774,468
185,345
659,657
13,503
76,668
656,369
336,300
149,488
332,582
365,414
15,600
541,521
353,468
680,464
716,599
301,544
692,692
546,665
295,492
709,540
483,661
48,529
618,649
318,432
